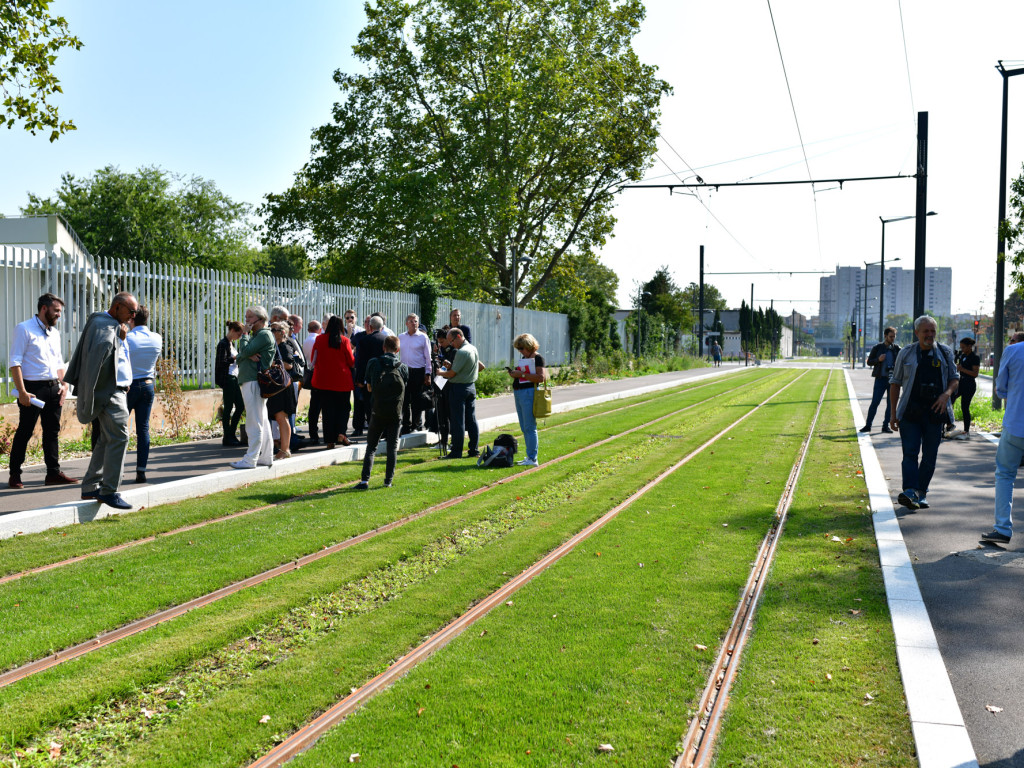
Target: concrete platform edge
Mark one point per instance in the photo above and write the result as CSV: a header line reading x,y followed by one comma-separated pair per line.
x,y
938,725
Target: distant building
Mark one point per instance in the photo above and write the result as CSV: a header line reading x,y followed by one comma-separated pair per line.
x,y
844,298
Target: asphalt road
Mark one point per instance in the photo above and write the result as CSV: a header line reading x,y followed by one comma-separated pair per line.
x,y
974,593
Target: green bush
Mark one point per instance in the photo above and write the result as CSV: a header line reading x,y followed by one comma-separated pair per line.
x,y
493,381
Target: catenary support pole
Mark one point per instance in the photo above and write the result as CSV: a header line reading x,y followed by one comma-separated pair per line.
x,y
922,208
700,313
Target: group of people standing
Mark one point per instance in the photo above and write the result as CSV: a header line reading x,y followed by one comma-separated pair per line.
x,y
385,381
113,370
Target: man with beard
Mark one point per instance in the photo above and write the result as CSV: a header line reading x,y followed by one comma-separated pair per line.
x,y
37,370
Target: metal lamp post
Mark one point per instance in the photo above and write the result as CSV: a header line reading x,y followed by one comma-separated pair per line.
x,y
997,331
526,261
881,289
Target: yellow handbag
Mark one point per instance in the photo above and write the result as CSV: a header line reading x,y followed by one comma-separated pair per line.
x,y
541,400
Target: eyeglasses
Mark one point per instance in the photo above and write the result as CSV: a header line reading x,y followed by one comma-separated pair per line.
x,y
350,317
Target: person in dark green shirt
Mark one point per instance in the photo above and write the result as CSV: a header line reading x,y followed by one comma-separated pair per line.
x,y
255,347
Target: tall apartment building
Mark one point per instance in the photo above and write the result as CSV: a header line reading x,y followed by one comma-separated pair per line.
x,y
841,296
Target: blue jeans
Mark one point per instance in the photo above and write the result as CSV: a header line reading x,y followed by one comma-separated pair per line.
x,y
919,438
1008,456
881,390
527,422
462,416
141,395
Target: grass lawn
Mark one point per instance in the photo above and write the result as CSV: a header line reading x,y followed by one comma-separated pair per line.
x,y
56,694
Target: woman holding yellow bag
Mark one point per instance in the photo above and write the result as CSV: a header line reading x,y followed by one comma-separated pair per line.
x,y
526,375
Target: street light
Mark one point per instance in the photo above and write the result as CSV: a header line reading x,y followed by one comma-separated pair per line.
x,y
526,261
997,332
881,290
864,313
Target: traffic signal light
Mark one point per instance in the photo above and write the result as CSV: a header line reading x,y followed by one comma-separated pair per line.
x,y
976,324
853,329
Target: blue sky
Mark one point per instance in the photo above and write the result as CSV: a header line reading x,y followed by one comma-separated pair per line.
x,y
231,90
224,89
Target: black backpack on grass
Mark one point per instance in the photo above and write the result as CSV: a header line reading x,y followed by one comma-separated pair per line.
x,y
389,392
502,455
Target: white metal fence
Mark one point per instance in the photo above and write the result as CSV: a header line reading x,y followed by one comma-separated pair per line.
x,y
189,306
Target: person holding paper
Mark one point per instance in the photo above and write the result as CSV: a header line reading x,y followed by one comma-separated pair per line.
x,y
529,372
37,370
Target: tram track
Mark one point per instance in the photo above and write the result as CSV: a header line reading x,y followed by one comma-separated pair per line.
x,y
699,742
338,487
132,628
309,734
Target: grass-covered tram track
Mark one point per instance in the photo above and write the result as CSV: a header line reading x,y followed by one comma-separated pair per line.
x,y
55,694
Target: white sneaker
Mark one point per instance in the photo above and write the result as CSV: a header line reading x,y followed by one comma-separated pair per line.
x,y
242,464
963,436
528,463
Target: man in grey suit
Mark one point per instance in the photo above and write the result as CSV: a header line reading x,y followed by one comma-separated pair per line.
x,y
101,373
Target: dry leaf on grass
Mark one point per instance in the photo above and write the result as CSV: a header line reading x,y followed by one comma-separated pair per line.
x,y
148,713
355,758
265,719
420,711
993,709
54,750
605,748
699,647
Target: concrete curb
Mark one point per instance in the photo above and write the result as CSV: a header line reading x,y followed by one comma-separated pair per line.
x,y
69,513
938,725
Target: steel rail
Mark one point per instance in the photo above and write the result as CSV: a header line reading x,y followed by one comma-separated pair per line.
x,y
699,742
308,735
160,617
292,499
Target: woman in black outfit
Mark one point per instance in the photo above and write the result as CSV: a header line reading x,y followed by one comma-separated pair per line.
x,y
282,405
225,376
968,364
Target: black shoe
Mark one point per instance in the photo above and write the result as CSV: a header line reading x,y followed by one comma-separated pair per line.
x,y
451,456
140,477
357,433
314,440
996,536
15,482
113,500
473,454
865,428
405,431
909,499
90,495
387,483
230,441
886,431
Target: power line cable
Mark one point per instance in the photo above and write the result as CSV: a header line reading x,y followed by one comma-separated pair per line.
x,y
611,80
799,133
906,58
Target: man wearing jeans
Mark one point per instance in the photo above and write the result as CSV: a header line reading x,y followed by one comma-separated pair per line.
x,y
144,348
254,350
926,373
1010,387
882,359
461,388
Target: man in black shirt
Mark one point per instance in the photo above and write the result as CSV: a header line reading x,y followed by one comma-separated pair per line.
x,y
926,373
882,359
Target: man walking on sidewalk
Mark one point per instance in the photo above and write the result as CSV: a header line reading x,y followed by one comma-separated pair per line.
x,y
37,371
926,373
101,373
882,359
1010,387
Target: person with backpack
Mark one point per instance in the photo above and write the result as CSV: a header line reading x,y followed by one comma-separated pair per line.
x,y
386,380
528,373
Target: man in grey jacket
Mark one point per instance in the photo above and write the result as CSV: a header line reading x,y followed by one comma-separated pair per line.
x,y
882,359
926,373
101,373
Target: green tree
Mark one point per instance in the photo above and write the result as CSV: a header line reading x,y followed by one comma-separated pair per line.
x,y
662,297
288,261
479,130
584,289
30,39
153,215
1011,230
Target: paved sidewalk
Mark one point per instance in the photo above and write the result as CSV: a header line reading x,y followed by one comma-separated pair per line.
x,y
974,593
186,461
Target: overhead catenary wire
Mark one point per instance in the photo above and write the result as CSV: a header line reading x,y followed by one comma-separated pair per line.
x,y
611,80
799,133
906,58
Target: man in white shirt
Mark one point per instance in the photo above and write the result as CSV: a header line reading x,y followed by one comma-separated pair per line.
x,y
37,370
101,373
415,355
144,347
